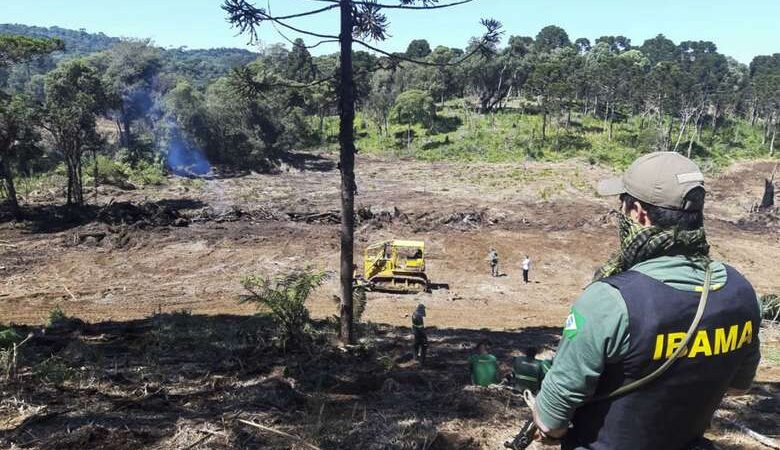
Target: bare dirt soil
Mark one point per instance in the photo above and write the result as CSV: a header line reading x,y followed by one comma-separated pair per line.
x,y
167,358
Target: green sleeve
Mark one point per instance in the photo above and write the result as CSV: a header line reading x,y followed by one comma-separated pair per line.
x,y
596,333
747,371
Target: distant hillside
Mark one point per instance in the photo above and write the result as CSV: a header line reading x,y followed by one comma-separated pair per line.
x,y
203,65
76,41
200,66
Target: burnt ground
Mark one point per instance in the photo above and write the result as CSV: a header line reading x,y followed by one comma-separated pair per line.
x,y
167,358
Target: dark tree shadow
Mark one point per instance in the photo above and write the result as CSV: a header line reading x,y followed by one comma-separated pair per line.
x,y
151,378
571,141
157,382
445,124
435,144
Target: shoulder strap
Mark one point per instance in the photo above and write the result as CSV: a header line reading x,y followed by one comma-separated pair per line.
x,y
634,385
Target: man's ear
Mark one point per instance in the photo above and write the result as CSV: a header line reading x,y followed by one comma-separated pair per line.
x,y
639,214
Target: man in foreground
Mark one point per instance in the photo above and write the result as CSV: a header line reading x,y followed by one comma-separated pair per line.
x,y
634,317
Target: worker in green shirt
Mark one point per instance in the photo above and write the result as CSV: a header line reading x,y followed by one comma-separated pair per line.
x,y
528,371
633,319
483,365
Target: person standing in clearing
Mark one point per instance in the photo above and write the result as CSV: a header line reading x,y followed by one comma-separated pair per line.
x,y
526,268
420,337
632,320
493,260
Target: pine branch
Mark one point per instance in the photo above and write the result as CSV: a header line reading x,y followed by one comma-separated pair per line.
x,y
247,18
408,4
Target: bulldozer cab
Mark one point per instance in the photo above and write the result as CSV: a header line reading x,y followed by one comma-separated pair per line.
x,y
397,265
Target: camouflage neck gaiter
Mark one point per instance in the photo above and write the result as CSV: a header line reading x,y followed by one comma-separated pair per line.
x,y
639,243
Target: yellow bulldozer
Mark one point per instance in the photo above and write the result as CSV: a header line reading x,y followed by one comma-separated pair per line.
x,y
395,266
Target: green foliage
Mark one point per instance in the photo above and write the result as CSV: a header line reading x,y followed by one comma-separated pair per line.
x,y
56,315
203,66
77,42
414,107
552,37
8,337
74,98
16,49
118,173
54,370
285,299
515,137
541,98
418,48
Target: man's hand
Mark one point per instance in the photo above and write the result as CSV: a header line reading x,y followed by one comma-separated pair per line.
x,y
544,434
545,439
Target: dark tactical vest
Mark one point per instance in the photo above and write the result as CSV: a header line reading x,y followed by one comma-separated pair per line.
x,y
673,411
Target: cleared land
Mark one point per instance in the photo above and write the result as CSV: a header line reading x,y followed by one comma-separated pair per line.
x,y
147,267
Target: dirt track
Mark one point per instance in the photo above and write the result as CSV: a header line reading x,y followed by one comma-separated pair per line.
x,y
194,241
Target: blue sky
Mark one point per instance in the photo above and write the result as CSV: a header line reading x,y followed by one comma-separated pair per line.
x,y
741,29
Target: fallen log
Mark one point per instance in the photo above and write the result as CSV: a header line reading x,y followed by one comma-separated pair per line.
x,y
328,216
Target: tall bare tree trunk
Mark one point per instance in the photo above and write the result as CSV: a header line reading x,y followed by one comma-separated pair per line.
x,y
544,122
10,188
753,114
95,173
683,125
765,132
715,116
69,166
695,134
347,163
772,142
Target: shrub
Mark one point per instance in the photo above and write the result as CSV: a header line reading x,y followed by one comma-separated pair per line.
x,y
8,337
285,298
126,175
57,315
412,107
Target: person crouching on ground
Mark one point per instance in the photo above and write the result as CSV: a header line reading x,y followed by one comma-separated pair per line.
x,y
634,317
528,371
483,365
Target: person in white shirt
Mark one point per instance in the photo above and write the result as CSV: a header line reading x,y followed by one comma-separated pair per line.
x,y
526,268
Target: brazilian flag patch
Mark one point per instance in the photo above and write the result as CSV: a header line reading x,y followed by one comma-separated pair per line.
x,y
574,322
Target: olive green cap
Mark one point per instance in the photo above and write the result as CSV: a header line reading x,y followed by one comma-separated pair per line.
x,y
661,179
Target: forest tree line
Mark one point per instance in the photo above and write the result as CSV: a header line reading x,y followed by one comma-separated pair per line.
x,y
129,100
